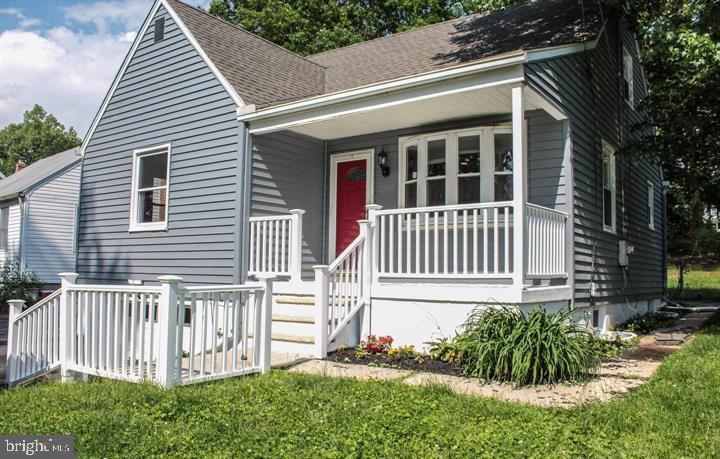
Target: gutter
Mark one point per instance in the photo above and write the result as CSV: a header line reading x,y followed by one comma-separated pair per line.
x,y
247,114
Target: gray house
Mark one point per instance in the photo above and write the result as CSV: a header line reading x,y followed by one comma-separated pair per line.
x,y
38,212
392,185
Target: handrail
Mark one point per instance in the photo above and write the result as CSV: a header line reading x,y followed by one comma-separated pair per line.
x,y
481,205
547,209
114,288
38,305
345,253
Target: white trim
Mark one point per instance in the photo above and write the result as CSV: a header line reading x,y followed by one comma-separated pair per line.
x,y
609,149
651,204
149,19
134,225
335,159
560,50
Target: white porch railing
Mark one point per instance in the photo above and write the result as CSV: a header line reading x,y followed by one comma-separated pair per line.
x,y
276,245
169,334
33,338
545,242
474,240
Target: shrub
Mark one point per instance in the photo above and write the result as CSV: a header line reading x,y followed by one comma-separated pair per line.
x,y
503,344
16,284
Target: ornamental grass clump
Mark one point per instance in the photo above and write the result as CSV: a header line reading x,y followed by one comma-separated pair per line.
x,y
503,344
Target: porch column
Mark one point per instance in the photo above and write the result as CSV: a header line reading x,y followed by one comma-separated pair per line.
x,y
296,245
519,184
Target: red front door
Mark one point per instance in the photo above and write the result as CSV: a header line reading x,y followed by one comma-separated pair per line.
x,y
351,188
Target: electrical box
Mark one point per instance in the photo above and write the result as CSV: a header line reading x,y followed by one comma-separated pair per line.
x,y
624,250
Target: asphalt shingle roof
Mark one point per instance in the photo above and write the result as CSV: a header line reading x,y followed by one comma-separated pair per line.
x,y
16,183
266,74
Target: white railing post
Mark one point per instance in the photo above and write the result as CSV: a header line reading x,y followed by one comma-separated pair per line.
x,y
366,229
67,280
372,210
321,311
266,323
295,249
16,308
168,322
519,185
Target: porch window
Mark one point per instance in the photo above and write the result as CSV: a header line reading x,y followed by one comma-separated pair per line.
x,y
456,167
468,169
4,225
503,167
150,189
628,77
436,152
608,180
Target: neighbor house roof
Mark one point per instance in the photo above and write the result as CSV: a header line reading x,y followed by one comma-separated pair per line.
x,y
266,74
21,181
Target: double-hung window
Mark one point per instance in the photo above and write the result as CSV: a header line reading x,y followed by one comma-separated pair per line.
x,y
4,227
149,202
651,205
608,184
627,62
456,167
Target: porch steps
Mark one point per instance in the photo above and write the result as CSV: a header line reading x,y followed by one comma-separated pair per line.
x,y
293,319
293,338
302,300
293,324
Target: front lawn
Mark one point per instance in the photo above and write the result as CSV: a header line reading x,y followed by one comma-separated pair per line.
x,y
677,414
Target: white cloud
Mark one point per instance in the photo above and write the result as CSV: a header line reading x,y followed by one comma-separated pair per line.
x,y
127,13
66,71
23,20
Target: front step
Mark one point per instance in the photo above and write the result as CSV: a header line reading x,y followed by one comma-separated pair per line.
x,y
298,339
293,319
293,324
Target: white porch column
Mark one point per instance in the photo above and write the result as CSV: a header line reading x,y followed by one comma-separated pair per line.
x,y
296,245
372,210
321,311
519,184
168,322
65,340
16,307
265,341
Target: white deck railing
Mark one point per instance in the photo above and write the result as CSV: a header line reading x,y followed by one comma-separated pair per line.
x,y
474,240
276,245
169,334
33,339
545,242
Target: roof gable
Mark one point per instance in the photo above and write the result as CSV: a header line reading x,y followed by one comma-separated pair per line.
x,y
36,172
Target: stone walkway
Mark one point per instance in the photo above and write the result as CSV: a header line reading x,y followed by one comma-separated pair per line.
x,y
616,376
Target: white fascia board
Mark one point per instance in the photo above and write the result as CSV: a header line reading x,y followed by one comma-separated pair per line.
x,y
395,85
128,57
542,54
502,76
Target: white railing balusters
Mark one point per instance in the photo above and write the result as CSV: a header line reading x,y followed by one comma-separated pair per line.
x,y
276,245
546,242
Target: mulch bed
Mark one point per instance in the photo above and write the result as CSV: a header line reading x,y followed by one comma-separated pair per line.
x,y
418,363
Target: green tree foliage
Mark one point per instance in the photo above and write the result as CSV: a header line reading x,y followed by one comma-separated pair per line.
x,y
680,50
39,135
313,26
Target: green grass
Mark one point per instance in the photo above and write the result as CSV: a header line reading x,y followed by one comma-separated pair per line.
x,y
700,281
677,414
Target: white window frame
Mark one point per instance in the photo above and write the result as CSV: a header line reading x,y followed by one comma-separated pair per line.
x,y
4,228
628,77
608,150
651,205
135,224
487,162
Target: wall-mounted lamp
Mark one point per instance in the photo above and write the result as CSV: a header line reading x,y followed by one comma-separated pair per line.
x,y
382,163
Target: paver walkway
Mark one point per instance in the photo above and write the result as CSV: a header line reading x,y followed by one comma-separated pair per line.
x,y
616,376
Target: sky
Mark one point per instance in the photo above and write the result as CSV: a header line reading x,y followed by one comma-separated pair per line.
x,y
64,54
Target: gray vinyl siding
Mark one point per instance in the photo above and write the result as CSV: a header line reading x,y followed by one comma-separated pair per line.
x,y
287,173
49,227
587,86
167,95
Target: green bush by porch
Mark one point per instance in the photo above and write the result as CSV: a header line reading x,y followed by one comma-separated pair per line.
x,y
677,414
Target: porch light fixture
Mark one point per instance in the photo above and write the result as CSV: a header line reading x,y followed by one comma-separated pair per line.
x,y
382,163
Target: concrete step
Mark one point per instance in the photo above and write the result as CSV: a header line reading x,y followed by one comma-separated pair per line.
x,y
287,338
299,300
293,319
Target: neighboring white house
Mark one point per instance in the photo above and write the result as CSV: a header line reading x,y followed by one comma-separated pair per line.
x,y
37,215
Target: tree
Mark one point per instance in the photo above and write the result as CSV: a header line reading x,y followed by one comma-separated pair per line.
x,y
39,135
680,50
313,26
